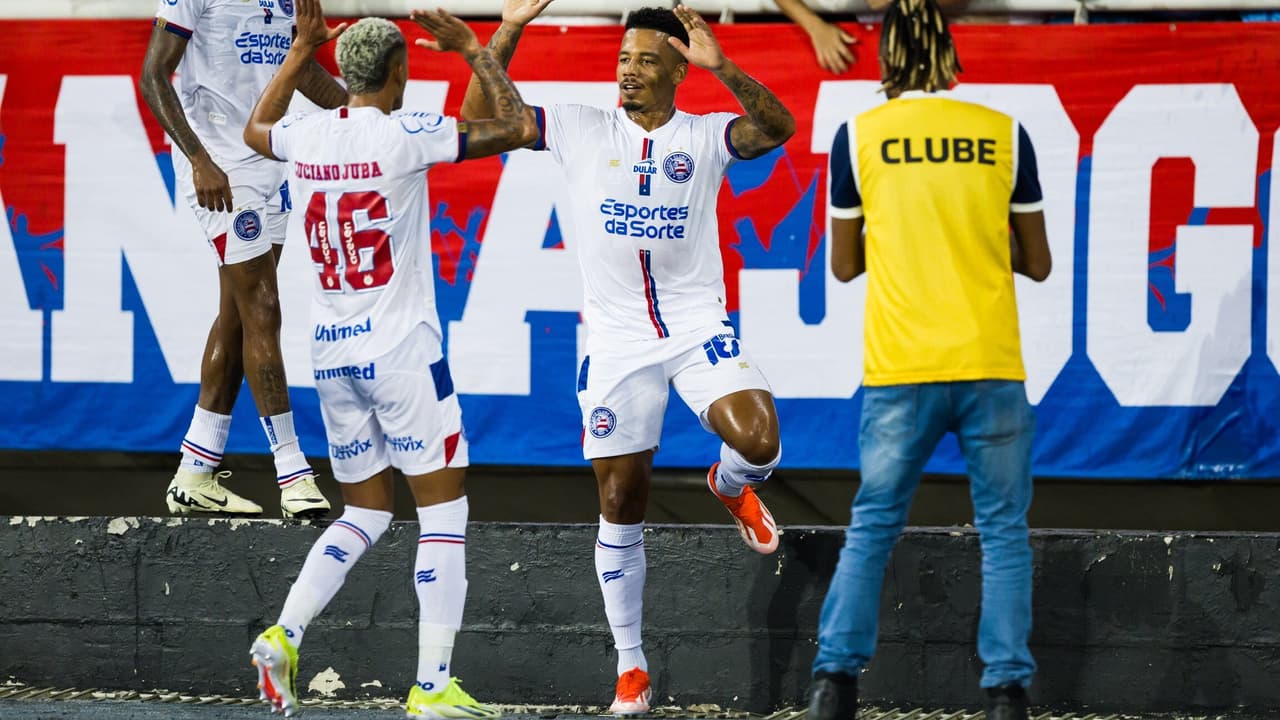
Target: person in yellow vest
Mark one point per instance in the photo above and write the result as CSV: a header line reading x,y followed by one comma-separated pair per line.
x,y
936,184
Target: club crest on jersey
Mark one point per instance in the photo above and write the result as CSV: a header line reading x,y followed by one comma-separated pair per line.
x,y
286,7
603,422
678,166
248,225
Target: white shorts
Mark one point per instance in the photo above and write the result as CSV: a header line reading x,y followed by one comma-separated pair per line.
x,y
398,410
260,194
623,396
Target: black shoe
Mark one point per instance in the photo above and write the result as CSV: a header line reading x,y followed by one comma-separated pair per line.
x,y
833,696
1007,702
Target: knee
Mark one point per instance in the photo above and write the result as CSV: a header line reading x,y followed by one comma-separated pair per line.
x,y
761,448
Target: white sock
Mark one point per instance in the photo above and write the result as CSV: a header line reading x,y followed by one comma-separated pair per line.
x,y
205,440
440,578
735,473
291,464
336,550
620,570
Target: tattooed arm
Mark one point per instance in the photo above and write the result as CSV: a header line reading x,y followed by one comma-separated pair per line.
x,y
768,123
476,105
513,124
164,52
312,32
321,88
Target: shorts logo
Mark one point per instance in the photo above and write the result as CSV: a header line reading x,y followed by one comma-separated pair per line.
x,y
603,422
286,7
678,166
248,225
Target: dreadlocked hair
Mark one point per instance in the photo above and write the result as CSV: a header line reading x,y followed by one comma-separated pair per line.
x,y
916,47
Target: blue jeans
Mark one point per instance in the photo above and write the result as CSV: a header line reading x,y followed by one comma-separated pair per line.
x,y
901,425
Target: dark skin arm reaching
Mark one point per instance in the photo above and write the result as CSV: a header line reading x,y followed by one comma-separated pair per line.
x,y
848,254
321,88
768,123
312,32
1029,246
515,15
513,125
164,52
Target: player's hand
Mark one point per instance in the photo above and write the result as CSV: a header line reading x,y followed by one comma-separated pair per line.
x,y
520,12
213,190
312,30
703,50
831,46
452,35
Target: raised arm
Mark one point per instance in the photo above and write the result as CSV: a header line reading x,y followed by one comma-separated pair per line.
x,y
768,123
321,88
513,124
274,102
830,43
164,52
476,105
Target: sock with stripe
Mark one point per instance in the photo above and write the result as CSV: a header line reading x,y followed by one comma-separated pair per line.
x,y
735,473
440,577
205,440
620,570
336,550
291,464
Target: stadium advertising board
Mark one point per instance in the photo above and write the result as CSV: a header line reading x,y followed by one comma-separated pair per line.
x,y
1152,350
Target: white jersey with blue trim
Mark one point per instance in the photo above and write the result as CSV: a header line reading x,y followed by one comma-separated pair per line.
x,y
359,186
644,214
234,48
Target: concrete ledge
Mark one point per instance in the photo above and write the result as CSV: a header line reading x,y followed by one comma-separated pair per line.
x,y
1133,622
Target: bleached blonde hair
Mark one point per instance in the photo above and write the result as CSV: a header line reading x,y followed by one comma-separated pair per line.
x,y
364,54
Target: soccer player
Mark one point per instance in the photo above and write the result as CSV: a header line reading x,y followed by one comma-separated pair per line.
x,y
936,183
225,52
643,179
359,173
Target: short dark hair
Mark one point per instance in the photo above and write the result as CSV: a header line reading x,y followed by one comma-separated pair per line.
x,y
660,19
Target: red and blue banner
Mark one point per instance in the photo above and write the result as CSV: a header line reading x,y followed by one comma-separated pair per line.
x,y
1152,350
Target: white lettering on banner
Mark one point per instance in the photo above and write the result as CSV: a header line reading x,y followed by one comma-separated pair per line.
x,y
825,359
1143,367
490,347
22,352
117,207
822,359
1044,309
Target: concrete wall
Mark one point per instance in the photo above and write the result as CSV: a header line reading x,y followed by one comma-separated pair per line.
x,y
1124,621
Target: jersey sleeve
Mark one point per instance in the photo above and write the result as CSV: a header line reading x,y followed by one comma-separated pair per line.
x,y
846,201
722,128
560,126
427,139
179,16
282,133
1027,197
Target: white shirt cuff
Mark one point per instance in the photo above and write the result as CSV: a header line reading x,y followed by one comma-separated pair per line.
x,y
852,213
1036,206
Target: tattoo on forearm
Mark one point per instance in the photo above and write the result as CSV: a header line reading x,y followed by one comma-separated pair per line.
x,y
497,87
761,105
503,43
320,88
164,103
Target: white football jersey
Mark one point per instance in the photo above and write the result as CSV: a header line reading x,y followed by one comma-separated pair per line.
x,y
359,186
234,48
644,213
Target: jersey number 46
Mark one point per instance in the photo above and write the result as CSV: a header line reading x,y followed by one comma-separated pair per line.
x,y
364,255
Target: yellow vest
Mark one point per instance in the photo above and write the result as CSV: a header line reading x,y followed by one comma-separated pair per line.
x,y
935,181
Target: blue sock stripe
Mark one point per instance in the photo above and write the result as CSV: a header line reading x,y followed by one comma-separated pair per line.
x,y
205,450
604,544
368,542
424,536
291,476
